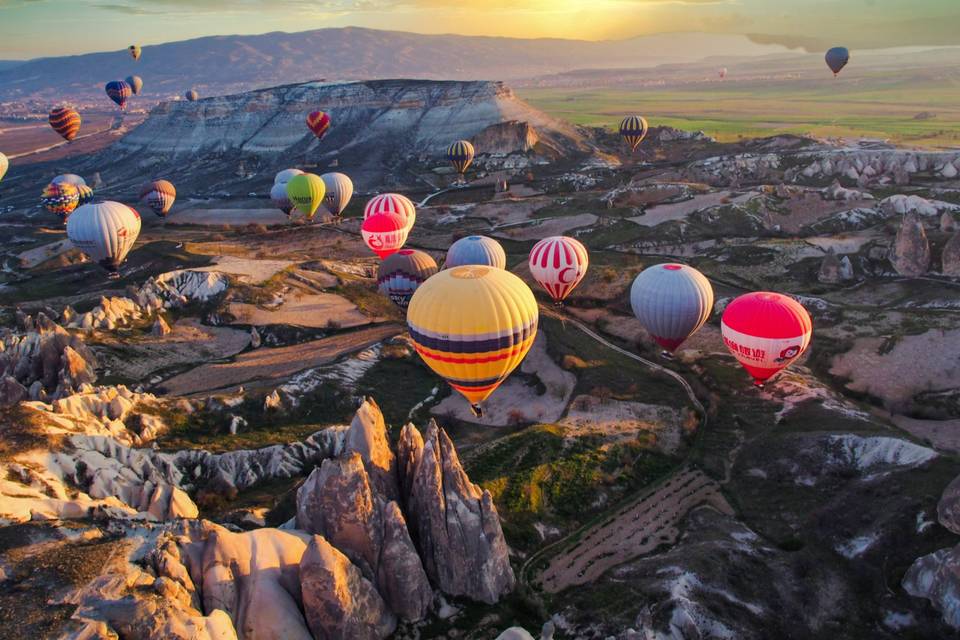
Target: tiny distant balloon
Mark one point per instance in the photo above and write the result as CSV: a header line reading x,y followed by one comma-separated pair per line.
x,y
339,188
119,91
65,121
460,154
477,250
60,199
633,129
402,273
384,234
160,196
722,73
136,84
192,95
306,192
135,51
837,58
105,232
319,123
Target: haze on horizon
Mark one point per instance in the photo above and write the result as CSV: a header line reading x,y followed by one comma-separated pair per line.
x,y
39,28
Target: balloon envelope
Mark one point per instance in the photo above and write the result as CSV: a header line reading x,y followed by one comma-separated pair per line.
x,y
86,195
473,325
671,301
392,203
765,332
278,195
284,176
306,193
119,91
192,95
65,121
837,58
633,129
69,178
4,165
460,154
136,84
559,264
402,273
160,196
384,234
339,191
319,123
135,51
105,231
479,250
60,199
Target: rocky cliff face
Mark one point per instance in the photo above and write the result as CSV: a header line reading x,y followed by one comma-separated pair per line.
x,y
910,253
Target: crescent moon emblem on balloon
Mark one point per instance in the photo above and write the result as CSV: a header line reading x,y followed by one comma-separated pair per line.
x,y
561,277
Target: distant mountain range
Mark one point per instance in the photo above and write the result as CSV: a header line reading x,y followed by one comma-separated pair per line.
x,y
224,64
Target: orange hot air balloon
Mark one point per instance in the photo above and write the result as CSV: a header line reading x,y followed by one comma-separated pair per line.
x,y
319,123
65,121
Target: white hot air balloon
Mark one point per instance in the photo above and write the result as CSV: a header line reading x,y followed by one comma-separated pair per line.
x,y
284,176
105,232
339,191
69,178
559,263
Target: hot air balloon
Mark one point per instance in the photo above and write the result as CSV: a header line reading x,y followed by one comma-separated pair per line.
x,y
392,203
4,165
479,250
385,233
192,95
278,195
339,191
119,91
722,73
473,325
634,130
837,58
136,84
105,231
460,154
306,192
284,176
134,51
69,178
86,195
60,199
319,123
765,332
160,196
65,121
671,301
402,273
559,264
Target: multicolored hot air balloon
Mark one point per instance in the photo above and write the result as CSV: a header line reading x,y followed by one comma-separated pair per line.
x,y
633,129
339,191
402,273
479,250
4,165
559,264
472,326
65,121
671,301
385,233
278,195
460,154
319,123
284,176
86,195
306,192
60,199
105,231
135,51
159,196
392,203
765,332
136,84
192,95
119,91
69,178
837,58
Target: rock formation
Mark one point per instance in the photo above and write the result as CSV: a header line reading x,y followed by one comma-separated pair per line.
x,y
948,224
454,522
910,253
829,268
160,327
950,258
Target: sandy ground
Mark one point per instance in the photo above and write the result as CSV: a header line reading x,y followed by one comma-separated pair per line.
x,y
316,311
278,363
620,421
944,435
929,361
636,530
680,210
246,270
548,227
230,217
515,397
188,342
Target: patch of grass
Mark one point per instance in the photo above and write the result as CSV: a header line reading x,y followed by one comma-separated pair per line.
x,y
397,385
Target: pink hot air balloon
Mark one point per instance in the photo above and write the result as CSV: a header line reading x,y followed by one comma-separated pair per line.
x,y
559,264
384,233
392,203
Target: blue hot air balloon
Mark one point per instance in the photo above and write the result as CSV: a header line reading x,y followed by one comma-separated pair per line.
x,y
479,250
837,58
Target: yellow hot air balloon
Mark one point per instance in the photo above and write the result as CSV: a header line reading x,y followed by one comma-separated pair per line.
x,y
473,325
306,192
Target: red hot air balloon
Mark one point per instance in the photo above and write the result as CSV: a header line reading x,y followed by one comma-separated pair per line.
x,y
319,123
385,233
559,264
65,121
765,332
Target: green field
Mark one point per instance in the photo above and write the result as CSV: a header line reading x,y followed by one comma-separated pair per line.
x,y
874,107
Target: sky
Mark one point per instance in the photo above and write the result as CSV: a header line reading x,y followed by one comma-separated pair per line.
x,y
36,28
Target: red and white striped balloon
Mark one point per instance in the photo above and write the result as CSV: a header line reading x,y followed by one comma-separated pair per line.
x,y
559,264
392,203
384,233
